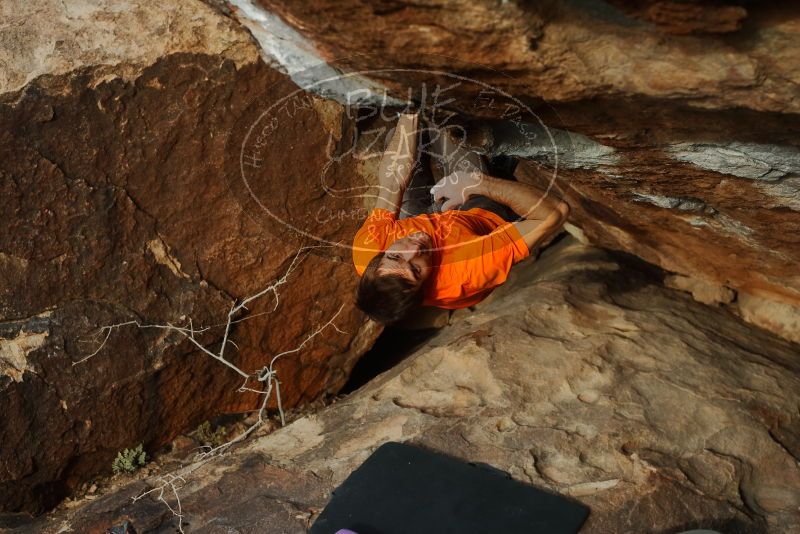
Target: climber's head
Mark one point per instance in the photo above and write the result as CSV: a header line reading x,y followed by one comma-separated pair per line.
x,y
392,282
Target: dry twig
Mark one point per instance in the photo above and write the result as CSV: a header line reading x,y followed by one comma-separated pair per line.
x,y
265,375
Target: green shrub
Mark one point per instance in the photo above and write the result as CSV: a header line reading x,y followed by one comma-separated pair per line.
x,y
205,435
129,460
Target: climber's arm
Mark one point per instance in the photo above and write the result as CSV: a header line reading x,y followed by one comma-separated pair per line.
x,y
397,163
536,232
544,214
527,201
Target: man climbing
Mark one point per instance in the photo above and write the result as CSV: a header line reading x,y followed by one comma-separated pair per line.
x,y
410,253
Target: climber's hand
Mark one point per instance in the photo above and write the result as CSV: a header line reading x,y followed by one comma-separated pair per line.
x,y
456,188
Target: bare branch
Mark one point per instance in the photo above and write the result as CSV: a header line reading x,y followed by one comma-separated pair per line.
x,y
266,375
168,482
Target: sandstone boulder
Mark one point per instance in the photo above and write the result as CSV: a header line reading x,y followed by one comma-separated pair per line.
x,y
584,376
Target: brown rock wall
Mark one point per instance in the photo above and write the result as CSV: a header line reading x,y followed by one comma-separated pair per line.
x,y
122,201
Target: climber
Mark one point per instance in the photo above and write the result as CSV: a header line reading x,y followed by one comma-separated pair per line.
x,y
452,252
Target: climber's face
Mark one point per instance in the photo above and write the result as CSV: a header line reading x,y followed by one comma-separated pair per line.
x,y
410,257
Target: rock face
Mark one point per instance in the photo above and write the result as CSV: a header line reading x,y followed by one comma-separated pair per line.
x,y
156,166
124,198
583,375
675,124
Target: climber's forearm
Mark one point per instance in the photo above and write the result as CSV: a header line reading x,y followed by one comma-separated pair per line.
x,y
397,163
389,199
543,214
528,201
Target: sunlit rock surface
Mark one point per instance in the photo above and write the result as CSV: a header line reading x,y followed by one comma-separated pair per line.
x,y
583,375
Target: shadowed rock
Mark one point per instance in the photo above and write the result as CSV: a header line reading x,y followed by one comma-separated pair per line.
x,y
582,375
123,199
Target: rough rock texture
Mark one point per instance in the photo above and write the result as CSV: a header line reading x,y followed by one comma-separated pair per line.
x,y
677,122
583,375
151,170
121,127
783,319
700,290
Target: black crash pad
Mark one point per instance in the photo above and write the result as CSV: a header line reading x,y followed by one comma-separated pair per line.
x,y
405,489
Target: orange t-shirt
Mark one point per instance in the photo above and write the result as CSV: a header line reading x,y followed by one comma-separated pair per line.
x,y
473,251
